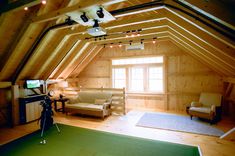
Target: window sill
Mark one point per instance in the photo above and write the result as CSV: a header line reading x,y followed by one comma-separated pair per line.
x,y
144,94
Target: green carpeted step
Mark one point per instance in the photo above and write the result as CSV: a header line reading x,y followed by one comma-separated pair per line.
x,y
74,141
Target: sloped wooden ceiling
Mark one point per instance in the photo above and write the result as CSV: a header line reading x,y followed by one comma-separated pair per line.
x,y
205,29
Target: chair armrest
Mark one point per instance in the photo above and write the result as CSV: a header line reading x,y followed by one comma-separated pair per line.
x,y
195,104
213,108
107,105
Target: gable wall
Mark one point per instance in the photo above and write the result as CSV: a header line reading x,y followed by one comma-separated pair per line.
x,y
186,77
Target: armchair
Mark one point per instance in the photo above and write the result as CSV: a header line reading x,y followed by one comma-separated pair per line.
x,y
207,107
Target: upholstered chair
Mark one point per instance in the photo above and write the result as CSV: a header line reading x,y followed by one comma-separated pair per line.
x,y
208,106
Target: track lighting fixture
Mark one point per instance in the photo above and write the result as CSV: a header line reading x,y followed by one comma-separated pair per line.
x,y
100,13
84,17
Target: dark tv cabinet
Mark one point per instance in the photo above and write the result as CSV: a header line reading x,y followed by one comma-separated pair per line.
x,y
30,108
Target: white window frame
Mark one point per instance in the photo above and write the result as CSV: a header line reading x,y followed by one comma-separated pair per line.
x,y
146,74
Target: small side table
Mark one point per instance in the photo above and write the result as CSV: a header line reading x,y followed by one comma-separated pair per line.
x,y
62,100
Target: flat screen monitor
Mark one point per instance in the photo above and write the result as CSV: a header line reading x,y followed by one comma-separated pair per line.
x,y
32,84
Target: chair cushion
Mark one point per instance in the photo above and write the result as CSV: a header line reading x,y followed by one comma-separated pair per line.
x,y
200,109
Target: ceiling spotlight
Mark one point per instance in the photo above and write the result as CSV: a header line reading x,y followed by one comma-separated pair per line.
x,y
141,41
120,45
26,8
111,46
154,40
96,23
84,17
44,2
100,13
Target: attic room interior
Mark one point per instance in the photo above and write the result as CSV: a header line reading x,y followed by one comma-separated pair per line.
x,y
146,77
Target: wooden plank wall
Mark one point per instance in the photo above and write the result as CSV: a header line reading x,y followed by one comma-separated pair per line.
x,y
186,77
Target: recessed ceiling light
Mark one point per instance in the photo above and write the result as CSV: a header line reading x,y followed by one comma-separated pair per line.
x,y
26,8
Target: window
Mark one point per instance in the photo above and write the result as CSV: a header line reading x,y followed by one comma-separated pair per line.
x,y
138,74
155,77
119,77
137,79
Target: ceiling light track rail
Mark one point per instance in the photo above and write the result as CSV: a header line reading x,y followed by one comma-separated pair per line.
x,y
35,45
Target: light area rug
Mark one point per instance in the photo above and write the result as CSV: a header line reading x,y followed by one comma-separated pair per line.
x,y
178,123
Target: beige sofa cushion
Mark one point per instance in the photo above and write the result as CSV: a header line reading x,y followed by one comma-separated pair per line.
x,y
100,101
89,97
85,106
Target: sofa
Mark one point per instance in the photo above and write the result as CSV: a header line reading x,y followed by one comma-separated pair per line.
x,y
208,107
92,103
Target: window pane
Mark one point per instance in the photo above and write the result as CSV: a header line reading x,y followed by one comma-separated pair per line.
x,y
137,79
119,77
144,60
156,79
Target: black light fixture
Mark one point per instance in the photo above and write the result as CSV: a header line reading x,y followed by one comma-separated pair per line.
x,y
84,17
100,13
96,23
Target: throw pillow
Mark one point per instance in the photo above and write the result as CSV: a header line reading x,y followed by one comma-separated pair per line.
x,y
100,101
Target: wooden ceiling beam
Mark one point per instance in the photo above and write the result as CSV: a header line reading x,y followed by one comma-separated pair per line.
x,y
76,61
41,53
80,6
203,52
202,27
210,52
68,63
200,55
197,36
71,54
55,57
85,61
192,52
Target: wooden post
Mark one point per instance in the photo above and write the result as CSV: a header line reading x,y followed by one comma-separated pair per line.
x,y
15,105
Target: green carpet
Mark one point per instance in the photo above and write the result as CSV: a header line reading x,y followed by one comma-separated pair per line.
x,y
74,141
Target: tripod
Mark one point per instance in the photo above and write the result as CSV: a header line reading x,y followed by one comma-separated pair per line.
x,y
46,118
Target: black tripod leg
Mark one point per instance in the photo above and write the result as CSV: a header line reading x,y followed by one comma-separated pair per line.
x,y
43,126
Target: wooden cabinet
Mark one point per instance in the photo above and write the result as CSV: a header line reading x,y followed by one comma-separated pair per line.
x,y
30,108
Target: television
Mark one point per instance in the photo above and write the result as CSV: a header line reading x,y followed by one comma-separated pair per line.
x,y
30,84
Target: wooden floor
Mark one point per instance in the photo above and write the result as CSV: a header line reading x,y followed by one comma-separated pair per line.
x,y
210,146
